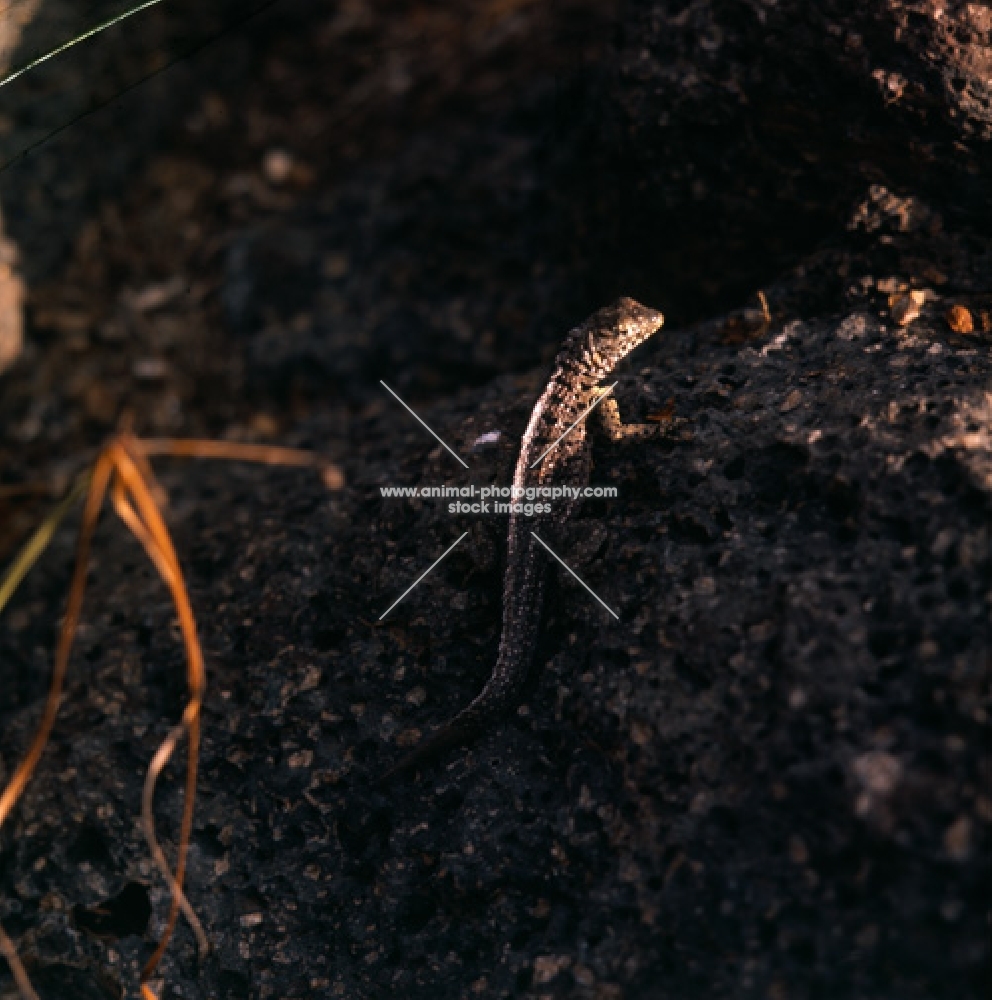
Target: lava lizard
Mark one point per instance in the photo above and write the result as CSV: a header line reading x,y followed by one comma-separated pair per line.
x,y
591,351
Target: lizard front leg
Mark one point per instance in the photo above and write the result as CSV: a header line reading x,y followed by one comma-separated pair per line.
x,y
608,423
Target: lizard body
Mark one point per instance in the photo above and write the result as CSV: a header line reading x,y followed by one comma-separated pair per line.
x,y
590,352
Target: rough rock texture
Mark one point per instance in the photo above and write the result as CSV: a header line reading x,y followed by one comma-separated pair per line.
x,y
763,777
770,778
406,269
742,133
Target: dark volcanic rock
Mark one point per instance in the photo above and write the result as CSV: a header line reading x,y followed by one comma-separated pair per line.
x,y
404,273
765,776
770,777
740,134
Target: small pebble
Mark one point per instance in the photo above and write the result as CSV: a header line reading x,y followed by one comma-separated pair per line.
x,y
791,401
277,166
154,296
149,369
336,265
906,308
798,852
891,286
490,437
547,967
417,696
641,733
957,839
301,758
333,477
960,320
264,425
878,772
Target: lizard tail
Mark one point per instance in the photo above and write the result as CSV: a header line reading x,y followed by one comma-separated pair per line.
x,y
456,733
465,727
521,613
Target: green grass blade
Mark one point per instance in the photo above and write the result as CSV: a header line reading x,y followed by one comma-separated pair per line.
x,y
21,70
39,541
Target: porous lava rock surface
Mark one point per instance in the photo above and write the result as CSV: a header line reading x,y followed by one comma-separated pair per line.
x,y
769,778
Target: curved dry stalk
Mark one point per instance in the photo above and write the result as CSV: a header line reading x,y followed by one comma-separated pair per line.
x,y
148,526
169,570
129,442
162,756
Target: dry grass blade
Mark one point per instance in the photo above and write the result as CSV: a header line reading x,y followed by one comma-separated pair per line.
x,y
98,482
233,450
123,469
94,499
9,952
145,521
21,70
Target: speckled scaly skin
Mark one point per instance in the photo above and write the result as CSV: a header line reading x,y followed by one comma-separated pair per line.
x,y
590,353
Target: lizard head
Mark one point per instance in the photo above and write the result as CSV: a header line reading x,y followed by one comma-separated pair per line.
x,y
614,331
